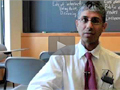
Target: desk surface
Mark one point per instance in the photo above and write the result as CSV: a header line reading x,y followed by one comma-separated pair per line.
x,y
14,50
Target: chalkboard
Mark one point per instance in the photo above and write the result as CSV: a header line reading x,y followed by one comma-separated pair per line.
x,y
60,16
113,15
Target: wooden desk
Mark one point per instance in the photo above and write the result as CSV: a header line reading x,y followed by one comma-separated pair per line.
x,y
38,42
14,50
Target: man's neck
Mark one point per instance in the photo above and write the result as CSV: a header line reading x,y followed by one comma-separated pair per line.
x,y
90,46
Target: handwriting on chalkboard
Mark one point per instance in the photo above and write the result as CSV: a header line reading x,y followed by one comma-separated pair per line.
x,y
112,9
67,7
70,8
60,15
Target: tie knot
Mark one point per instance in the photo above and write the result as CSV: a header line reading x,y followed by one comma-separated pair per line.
x,y
88,55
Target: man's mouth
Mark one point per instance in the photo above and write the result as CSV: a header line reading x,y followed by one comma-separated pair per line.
x,y
88,34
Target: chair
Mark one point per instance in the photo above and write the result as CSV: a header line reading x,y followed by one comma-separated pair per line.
x,y
21,70
118,53
2,56
45,56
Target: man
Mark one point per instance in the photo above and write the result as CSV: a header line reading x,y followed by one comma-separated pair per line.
x,y
92,67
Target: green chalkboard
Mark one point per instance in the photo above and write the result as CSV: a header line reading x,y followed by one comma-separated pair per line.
x,y
60,16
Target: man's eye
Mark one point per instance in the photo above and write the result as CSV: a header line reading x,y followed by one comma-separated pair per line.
x,y
95,20
85,20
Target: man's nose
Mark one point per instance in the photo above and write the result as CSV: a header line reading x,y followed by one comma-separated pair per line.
x,y
89,24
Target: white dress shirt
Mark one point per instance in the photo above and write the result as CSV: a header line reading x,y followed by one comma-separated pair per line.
x,y
66,72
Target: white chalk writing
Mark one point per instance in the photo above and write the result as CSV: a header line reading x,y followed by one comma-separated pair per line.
x,y
71,8
112,9
67,7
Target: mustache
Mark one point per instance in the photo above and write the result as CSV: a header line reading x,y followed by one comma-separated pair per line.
x,y
89,31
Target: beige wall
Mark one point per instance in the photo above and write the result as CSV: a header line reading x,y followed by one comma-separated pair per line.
x,y
13,40
16,25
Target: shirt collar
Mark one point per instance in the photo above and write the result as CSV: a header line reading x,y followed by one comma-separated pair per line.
x,y
82,50
95,52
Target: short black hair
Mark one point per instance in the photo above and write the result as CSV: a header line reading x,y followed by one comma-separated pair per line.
x,y
93,6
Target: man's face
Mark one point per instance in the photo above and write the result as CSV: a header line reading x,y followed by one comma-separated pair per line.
x,y
90,26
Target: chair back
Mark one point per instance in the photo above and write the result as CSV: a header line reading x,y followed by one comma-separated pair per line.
x,y
2,55
21,70
118,53
45,56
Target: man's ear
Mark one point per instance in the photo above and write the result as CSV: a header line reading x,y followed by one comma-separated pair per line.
x,y
76,22
104,26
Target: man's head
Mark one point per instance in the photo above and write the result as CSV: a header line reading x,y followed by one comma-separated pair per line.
x,y
93,6
91,22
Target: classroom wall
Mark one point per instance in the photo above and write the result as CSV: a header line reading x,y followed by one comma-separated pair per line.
x,y
13,25
16,25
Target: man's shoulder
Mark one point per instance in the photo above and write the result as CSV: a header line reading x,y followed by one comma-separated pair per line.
x,y
110,53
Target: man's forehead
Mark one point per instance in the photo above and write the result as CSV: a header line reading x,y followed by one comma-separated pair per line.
x,y
90,14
